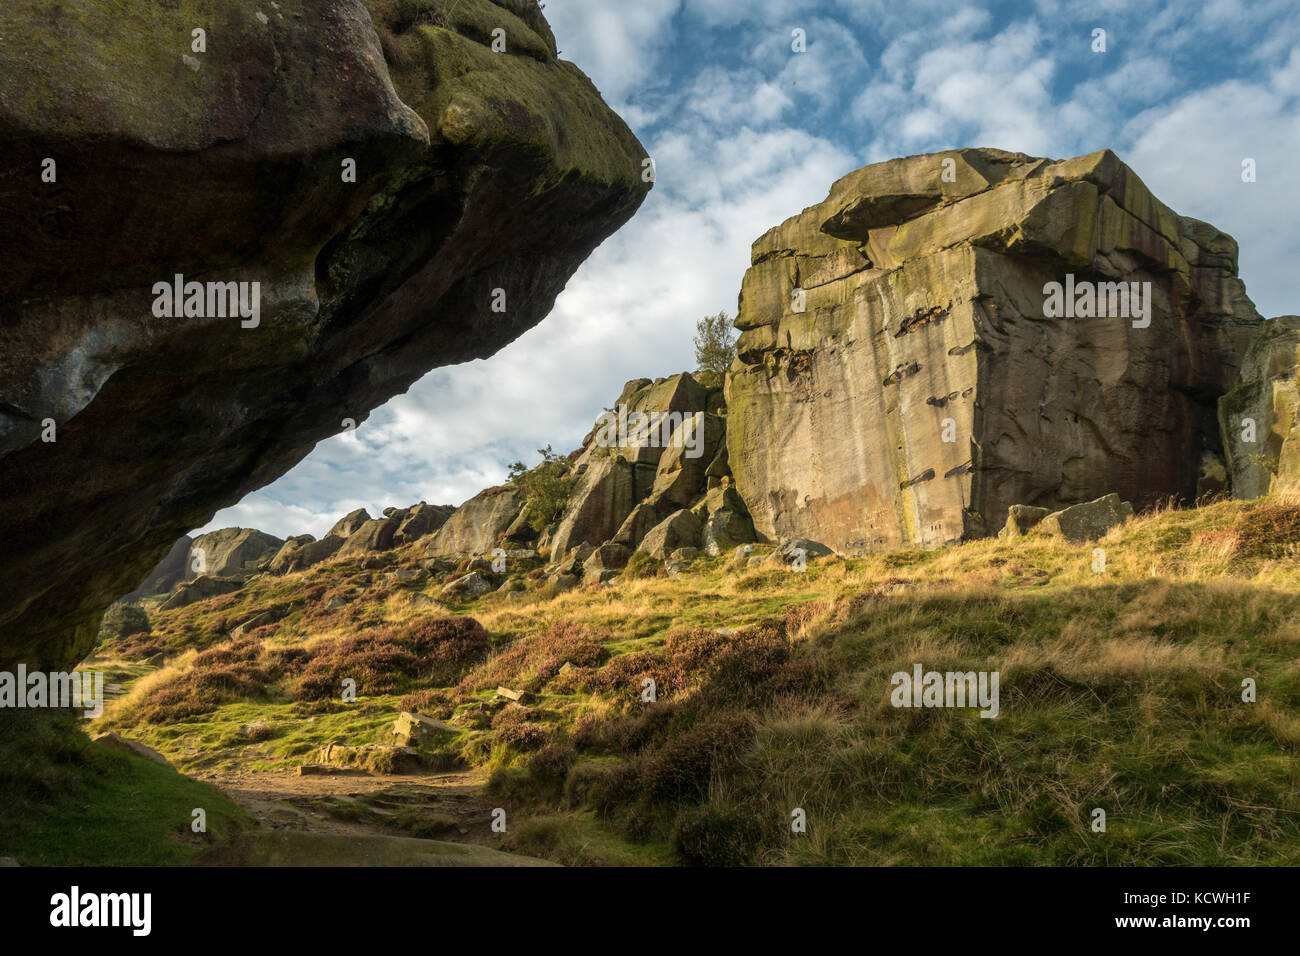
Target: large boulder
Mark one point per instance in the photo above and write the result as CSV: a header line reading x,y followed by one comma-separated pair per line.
x,y
681,529
375,535
904,374
231,552
725,530
381,173
1021,519
421,519
637,525
200,589
304,551
606,493
605,562
650,449
680,475
477,526
1087,521
1260,418
349,523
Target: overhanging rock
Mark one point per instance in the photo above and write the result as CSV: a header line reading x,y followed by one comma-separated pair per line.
x,y
376,168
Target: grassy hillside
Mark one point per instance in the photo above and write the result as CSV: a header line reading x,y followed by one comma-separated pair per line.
x,y
69,802
1120,690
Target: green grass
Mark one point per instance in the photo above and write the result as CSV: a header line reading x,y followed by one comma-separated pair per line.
x,y
69,802
1119,690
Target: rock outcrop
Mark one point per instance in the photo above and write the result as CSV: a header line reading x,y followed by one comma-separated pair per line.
x,y
907,370
1260,418
231,552
477,526
362,190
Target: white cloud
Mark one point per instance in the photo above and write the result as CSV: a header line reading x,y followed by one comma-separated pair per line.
x,y
1190,155
618,45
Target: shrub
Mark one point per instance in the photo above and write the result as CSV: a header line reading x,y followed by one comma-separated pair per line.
x,y
682,768
1268,531
718,836
431,703
548,769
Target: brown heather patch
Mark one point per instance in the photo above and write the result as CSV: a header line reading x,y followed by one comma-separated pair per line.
x,y
437,704
1269,531
381,661
530,663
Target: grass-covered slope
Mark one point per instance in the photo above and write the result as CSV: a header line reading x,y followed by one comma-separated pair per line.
x,y
69,802
1121,690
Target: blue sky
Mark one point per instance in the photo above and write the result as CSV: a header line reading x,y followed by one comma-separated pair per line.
x,y
746,132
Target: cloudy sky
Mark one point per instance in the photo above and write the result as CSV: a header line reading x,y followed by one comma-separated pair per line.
x,y
746,132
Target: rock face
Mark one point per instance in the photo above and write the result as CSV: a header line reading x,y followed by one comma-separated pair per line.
x,y
474,528
374,166
903,377
1260,418
656,459
231,552
644,459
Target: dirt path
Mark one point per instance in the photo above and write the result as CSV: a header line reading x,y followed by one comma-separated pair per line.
x,y
450,805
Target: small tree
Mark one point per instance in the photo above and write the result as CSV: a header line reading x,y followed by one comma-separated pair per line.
x,y
545,487
715,343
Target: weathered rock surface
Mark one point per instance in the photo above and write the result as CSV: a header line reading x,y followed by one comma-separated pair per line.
x,y
298,554
1088,521
476,526
420,519
231,552
350,523
681,529
1260,418
474,584
375,535
925,319
636,525
606,493
475,171
1020,519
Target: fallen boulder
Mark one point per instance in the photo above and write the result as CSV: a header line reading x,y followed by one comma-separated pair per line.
x,y
1020,519
1087,521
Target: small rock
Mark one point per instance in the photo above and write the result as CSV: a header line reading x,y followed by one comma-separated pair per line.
x,y
518,696
474,583
416,730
